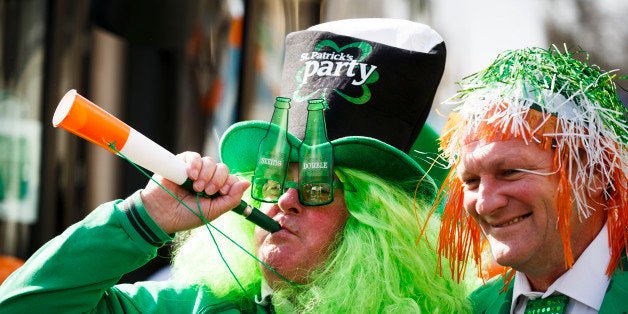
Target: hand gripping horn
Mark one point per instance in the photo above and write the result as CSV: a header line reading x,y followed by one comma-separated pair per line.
x,y
85,119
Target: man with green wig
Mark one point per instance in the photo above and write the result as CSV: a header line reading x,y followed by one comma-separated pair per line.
x,y
332,170
538,189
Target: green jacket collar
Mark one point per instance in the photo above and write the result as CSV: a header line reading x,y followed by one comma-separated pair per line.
x,y
490,299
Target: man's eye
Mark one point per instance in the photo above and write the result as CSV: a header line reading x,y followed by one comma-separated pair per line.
x,y
471,183
510,172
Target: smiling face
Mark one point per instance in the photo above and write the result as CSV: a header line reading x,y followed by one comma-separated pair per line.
x,y
308,235
510,190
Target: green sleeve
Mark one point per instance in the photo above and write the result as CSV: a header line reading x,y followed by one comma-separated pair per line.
x,y
76,271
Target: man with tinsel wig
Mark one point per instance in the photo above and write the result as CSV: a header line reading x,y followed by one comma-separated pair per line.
x,y
537,144
347,203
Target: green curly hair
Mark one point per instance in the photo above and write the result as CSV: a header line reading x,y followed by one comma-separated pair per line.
x,y
377,266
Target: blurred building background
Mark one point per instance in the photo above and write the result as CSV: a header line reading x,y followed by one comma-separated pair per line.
x,y
180,72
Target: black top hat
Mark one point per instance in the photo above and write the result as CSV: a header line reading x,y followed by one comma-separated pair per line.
x,y
379,78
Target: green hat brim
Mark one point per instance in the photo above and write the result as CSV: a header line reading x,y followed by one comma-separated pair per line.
x,y
240,144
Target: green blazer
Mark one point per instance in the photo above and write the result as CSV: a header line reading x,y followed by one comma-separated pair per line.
x,y
489,299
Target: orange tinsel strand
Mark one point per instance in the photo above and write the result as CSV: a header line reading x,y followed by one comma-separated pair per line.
x,y
617,219
459,236
563,205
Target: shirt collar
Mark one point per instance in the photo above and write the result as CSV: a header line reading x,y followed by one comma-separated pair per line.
x,y
264,297
586,282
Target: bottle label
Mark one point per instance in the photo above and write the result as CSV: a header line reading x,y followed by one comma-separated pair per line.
x,y
273,162
314,165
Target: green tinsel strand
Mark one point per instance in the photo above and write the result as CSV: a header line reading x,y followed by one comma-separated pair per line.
x,y
558,72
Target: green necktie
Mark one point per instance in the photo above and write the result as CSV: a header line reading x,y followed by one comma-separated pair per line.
x,y
556,304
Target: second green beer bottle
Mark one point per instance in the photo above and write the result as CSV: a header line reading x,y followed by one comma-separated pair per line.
x,y
316,176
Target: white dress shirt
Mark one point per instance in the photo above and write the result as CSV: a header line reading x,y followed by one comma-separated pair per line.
x,y
264,296
585,283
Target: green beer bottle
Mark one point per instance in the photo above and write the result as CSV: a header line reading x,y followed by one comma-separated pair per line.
x,y
316,157
273,156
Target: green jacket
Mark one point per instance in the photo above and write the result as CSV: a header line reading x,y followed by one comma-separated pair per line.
x,y
488,299
68,275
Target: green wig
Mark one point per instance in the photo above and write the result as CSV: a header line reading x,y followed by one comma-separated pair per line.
x,y
377,266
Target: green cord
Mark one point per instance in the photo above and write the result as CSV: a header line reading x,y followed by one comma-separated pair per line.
x,y
207,224
200,213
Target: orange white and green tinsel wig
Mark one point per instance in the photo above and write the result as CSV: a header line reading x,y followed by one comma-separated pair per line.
x,y
549,98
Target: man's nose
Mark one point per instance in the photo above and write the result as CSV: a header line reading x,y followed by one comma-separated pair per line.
x,y
490,197
289,202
